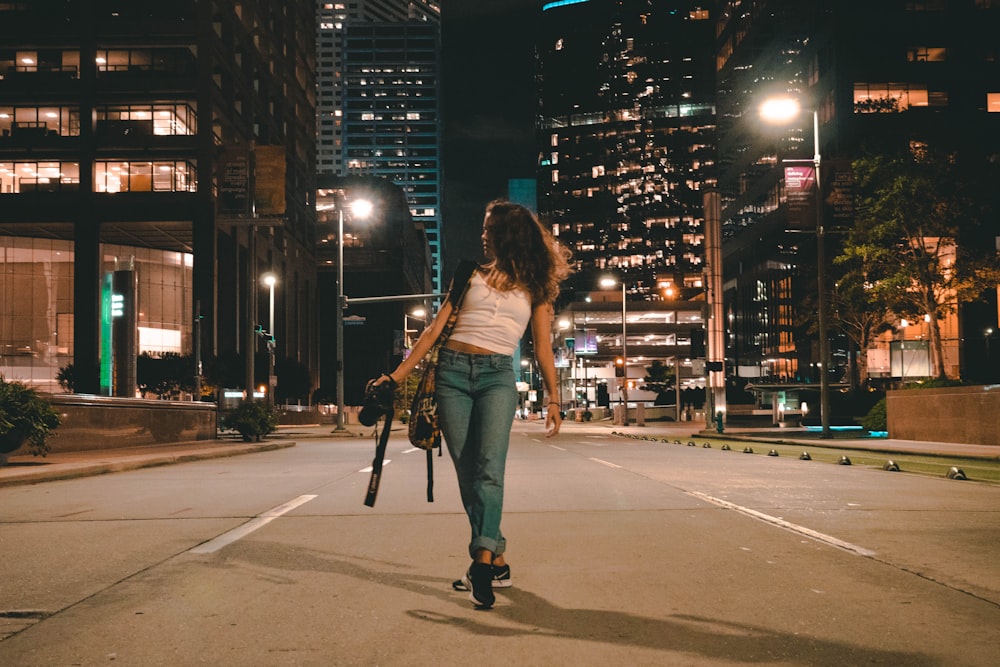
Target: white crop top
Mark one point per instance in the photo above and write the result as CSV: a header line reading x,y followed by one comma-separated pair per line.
x,y
492,319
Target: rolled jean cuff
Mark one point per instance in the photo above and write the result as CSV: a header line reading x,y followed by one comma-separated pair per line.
x,y
496,547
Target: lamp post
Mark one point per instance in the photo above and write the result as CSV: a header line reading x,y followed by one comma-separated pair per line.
x,y
416,314
360,209
782,110
420,315
988,333
270,280
610,282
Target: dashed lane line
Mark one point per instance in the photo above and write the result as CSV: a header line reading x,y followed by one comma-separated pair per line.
x,y
369,468
802,530
257,522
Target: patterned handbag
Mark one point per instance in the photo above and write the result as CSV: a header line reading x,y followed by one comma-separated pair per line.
x,y
424,429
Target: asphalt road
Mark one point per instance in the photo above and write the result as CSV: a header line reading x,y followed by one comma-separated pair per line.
x,y
623,552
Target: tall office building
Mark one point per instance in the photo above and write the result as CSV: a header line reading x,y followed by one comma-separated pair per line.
x,y
626,140
379,102
155,159
932,80
626,137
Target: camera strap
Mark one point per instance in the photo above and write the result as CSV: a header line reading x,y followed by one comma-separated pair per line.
x,y
376,477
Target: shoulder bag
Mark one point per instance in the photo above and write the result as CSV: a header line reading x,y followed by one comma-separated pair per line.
x,y
424,429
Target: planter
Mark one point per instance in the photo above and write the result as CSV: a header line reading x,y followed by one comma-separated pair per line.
x,y
25,419
252,420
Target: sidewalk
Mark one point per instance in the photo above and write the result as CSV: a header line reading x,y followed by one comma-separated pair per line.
x,y
802,436
27,469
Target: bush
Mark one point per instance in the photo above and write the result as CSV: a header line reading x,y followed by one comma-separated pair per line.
x,y
252,419
876,419
25,417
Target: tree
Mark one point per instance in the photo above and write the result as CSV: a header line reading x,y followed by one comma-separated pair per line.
x,y
856,309
661,379
918,219
66,377
165,375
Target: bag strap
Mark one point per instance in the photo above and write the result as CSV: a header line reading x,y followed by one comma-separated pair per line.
x,y
456,294
460,282
376,478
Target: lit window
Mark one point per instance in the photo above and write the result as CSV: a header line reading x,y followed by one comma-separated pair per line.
x,y
926,54
993,102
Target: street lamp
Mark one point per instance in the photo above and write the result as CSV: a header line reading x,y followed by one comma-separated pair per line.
x,y
419,314
782,110
360,209
989,362
526,368
270,280
607,283
416,314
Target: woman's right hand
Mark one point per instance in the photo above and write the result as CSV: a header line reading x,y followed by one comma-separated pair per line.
x,y
385,377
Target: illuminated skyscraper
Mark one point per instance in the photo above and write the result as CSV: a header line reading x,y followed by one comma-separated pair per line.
x,y
929,82
626,133
379,102
173,138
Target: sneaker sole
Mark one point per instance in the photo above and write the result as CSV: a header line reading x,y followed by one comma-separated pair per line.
x,y
480,605
465,585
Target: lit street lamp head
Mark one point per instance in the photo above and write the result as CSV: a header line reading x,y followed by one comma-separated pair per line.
x,y
780,109
361,208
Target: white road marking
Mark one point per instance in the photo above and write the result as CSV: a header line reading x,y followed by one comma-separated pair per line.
x,y
250,526
369,468
802,530
561,449
412,449
603,462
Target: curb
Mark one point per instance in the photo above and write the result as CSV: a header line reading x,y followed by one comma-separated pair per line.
x,y
77,469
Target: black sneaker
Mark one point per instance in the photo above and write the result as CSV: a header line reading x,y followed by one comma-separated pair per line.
x,y
480,576
501,579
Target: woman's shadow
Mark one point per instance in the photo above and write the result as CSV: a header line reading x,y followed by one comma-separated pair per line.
x,y
710,638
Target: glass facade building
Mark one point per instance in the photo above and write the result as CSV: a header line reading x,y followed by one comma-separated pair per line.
x,y
626,142
174,139
930,81
379,108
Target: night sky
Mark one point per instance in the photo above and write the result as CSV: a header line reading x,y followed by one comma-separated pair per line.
x,y
489,108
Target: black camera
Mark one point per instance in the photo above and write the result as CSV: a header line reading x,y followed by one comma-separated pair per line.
x,y
378,401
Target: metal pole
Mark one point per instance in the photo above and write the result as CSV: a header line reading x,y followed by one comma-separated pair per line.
x,y
197,350
250,342
677,388
624,363
340,321
270,345
824,344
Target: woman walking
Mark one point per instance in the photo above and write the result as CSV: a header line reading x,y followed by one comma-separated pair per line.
x,y
476,391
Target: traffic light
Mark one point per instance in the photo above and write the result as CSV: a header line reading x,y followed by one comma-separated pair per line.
x,y
619,367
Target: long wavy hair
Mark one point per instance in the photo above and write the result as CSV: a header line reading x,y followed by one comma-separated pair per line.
x,y
521,253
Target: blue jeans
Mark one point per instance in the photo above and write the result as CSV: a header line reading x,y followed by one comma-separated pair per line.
x,y
477,397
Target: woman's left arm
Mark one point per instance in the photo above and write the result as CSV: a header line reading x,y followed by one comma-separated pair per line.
x,y
541,334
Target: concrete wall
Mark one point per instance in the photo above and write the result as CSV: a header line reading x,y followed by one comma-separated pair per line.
x,y
947,414
99,422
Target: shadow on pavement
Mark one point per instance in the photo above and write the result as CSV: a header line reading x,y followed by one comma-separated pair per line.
x,y
709,638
